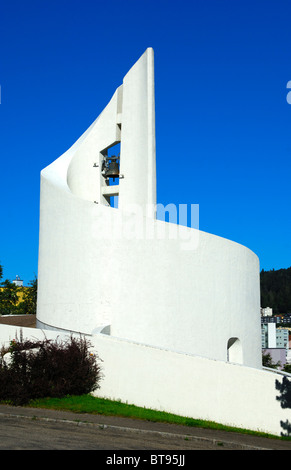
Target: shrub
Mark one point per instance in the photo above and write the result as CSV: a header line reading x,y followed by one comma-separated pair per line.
x,y
38,369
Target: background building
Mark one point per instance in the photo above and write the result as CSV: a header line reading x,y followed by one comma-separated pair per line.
x,y
17,281
275,341
266,312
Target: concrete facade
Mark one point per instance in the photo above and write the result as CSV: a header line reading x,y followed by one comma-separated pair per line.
x,y
123,270
145,291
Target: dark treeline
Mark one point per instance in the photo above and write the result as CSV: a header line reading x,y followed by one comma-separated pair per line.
x,y
276,290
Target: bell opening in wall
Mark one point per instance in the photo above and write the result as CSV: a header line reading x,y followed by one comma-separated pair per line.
x,y
111,165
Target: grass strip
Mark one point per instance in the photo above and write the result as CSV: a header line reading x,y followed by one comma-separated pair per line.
x,y
101,406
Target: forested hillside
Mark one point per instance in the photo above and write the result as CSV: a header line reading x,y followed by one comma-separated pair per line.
x,y
276,290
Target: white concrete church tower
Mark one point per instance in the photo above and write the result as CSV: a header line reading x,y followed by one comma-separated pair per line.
x,y
100,273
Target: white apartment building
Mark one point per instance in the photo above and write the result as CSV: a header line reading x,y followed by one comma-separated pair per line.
x,y
266,312
273,337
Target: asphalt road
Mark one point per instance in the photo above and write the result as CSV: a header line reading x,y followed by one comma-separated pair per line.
x,y
21,434
37,429
34,429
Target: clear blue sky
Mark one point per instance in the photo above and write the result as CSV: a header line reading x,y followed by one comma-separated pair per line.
x,y
223,123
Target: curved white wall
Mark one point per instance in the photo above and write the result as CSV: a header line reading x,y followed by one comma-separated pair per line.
x,y
186,291
149,290
189,300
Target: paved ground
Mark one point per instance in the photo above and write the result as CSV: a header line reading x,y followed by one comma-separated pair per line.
x,y
40,429
28,428
28,321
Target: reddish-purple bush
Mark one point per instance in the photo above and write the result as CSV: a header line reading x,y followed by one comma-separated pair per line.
x,y
48,369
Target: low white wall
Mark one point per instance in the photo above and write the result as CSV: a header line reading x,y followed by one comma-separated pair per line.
x,y
186,385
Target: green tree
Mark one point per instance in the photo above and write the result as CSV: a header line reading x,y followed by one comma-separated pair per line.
x,y
8,297
28,303
268,362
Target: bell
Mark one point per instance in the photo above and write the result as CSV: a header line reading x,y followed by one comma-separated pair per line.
x,y
112,171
